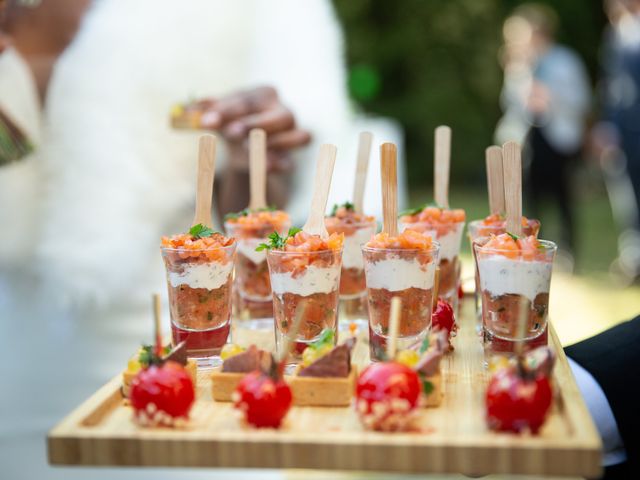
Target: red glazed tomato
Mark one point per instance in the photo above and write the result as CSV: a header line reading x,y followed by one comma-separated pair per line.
x,y
263,400
443,318
386,395
160,395
516,403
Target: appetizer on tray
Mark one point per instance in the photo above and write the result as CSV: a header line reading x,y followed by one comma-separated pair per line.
x,y
399,266
237,363
146,357
357,229
326,377
513,270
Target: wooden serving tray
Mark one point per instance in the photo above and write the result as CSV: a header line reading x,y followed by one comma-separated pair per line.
x,y
454,437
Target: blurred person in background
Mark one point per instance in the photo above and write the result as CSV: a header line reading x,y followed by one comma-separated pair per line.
x,y
33,35
546,100
616,137
118,176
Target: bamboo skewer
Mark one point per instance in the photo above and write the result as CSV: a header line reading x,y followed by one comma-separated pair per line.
x,y
394,325
157,324
495,180
364,152
389,174
441,166
322,184
204,188
512,164
257,169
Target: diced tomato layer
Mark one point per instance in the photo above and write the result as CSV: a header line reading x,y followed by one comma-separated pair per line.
x,y
416,310
207,248
352,281
320,312
407,240
500,314
252,279
525,248
348,222
200,308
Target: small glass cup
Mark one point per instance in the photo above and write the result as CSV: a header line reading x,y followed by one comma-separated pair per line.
x,y
511,282
477,229
252,283
353,288
308,280
405,273
200,292
449,236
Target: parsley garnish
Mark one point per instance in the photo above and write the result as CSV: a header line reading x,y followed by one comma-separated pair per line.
x,y
414,211
276,241
148,357
200,231
347,205
427,386
246,211
513,236
326,337
425,345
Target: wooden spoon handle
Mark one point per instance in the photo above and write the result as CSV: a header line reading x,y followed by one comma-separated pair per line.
x,y
204,188
364,151
389,174
322,184
512,164
495,179
257,168
442,160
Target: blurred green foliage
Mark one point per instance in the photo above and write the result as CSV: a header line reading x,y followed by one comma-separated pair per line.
x,y
432,62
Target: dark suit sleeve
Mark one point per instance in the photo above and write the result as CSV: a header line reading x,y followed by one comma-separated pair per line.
x,y
613,359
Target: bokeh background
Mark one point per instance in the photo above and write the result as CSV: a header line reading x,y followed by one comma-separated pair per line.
x,y
427,63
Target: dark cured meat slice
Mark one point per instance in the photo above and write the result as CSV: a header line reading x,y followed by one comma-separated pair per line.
x,y
336,363
249,361
429,363
177,354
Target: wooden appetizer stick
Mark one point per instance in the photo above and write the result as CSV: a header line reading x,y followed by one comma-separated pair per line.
x,y
436,283
389,174
322,183
495,179
204,189
364,152
512,164
523,317
290,337
157,323
394,325
257,168
442,161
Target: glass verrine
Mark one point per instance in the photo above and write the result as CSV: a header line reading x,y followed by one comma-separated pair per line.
x,y
405,273
309,281
200,291
449,236
492,225
514,280
252,272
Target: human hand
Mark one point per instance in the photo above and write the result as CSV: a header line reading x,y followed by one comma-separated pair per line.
x,y
236,114
539,98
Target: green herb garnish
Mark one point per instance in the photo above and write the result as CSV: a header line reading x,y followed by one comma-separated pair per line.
x,y
200,231
247,211
425,345
326,338
148,356
513,236
427,386
277,241
414,211
347,205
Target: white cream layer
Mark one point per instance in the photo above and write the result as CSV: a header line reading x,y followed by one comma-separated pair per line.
x,y
352,250
500,275
313,280
247,247
395,274
202,275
